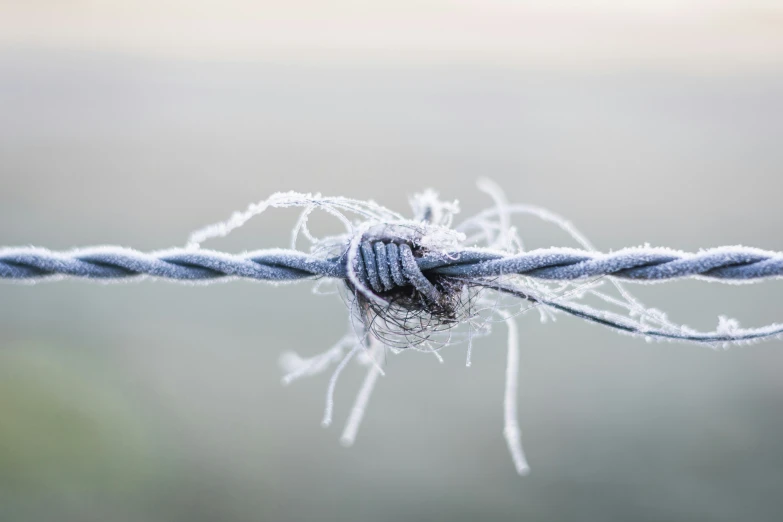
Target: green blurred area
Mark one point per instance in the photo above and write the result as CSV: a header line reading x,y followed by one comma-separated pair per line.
x,y
67,435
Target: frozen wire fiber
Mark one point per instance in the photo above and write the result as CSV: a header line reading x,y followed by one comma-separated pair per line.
x,y
396,307
424,283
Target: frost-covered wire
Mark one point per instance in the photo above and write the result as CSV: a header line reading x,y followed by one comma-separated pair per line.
x,y
424,283
730,264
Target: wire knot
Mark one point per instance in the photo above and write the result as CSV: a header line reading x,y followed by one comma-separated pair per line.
x,y
384,265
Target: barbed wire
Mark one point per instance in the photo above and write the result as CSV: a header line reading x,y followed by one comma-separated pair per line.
x,y
420,284
728,264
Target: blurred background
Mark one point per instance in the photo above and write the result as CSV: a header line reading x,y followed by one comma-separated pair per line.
x,y
134,123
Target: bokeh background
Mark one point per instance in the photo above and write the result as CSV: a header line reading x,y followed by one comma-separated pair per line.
x,y
134,123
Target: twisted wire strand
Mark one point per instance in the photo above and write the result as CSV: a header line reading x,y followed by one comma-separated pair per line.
x,y
385,266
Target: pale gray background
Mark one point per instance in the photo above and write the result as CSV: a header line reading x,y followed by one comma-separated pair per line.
x,y
162,402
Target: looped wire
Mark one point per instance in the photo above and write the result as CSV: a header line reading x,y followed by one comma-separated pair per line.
x,y
386,266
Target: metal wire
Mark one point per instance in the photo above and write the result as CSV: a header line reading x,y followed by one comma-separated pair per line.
x,y
554,264
410,284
